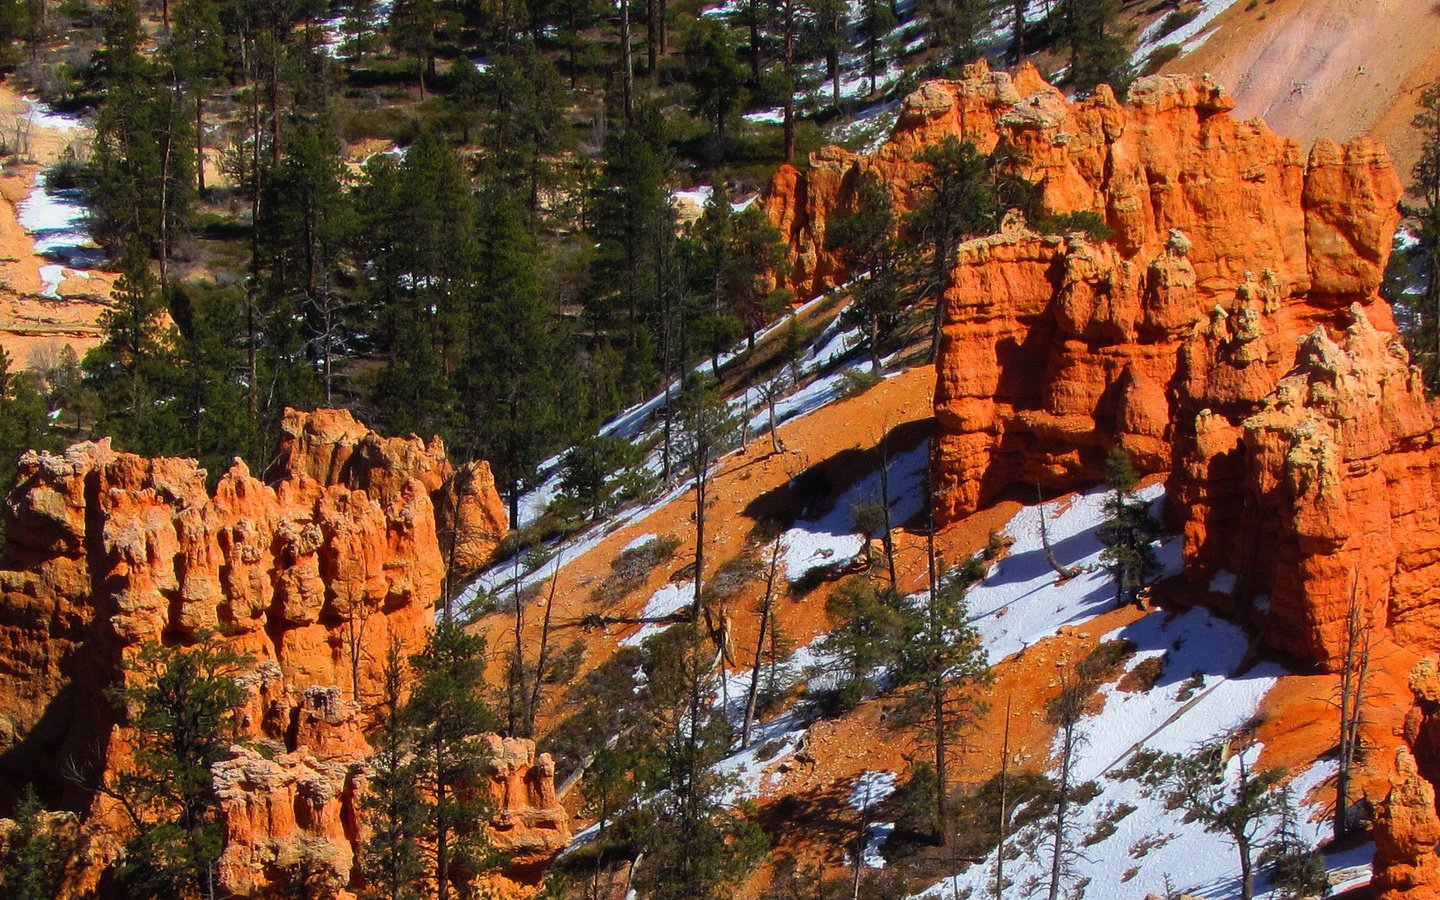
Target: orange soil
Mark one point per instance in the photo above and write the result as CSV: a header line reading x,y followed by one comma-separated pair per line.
x,y
34,328
1326,68
805,804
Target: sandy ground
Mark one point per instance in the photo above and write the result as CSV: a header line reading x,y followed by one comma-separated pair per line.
x,y
34,328
1326,68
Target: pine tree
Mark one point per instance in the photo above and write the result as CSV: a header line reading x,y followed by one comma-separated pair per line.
x,y
868,243
957,204
1099,49
707,429
943,663
143,156
716,75
1423,333
445,716
525,118
24,424
197,57
515,376
183,703
695,846
131,371
391,859
1217,785
958,25
1128,532
34,858
877,20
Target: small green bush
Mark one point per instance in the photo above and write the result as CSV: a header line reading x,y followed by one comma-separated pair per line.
x,y
1085,221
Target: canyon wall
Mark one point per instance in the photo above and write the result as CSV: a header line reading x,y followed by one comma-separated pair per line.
x,y
1228,333
313,574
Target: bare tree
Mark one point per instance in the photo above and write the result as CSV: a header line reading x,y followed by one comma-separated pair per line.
x,y
1353,671
767,612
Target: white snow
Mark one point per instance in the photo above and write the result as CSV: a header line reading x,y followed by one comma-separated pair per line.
x,y
871,789
1149,841
638,542
812,544
57,220
665,602
42,116
51,276
774,116
1019,602
1224,582
697,195
1189,35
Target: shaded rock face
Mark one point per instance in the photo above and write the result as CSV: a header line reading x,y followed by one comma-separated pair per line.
x,y
313,576
1228,333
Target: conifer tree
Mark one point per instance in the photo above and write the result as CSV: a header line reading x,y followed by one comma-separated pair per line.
x,y
716,75
1128,532
1099,50
34,858
868,242
877,20
444,717
943,662
183,704
391,859
957,204
131,369
695,847
1423,211
515,376
707,429
24,424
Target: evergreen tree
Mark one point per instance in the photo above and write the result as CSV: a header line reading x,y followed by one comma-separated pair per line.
x,y
1128,532
1099,47
391,859
1423,257
444,717
957,204
183,703
143,156
695,847
34,858
525,121
707,429
515,375
208,370
24,424
196,52
305,228
716,75
868,243
415,32
634,226
943,662
132,370
828,35
958,25
872,623
358,27
420,253
877,20
1217,785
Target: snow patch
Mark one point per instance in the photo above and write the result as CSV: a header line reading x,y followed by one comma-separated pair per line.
x,y
1020,601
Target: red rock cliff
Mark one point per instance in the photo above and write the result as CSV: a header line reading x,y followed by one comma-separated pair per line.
x,y
1229,334
313,575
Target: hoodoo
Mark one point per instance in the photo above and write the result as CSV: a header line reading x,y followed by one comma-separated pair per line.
x,y
313,575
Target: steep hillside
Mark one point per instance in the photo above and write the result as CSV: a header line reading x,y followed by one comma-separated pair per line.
x,y
1316,69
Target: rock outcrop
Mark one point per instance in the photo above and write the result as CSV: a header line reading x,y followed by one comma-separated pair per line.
x,y
1226,330
313,575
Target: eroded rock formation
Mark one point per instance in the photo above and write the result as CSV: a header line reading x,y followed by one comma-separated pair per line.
x,y
1228,333
313,575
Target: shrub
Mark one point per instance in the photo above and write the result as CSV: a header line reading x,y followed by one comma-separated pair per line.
x,y
1085,221
632,568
